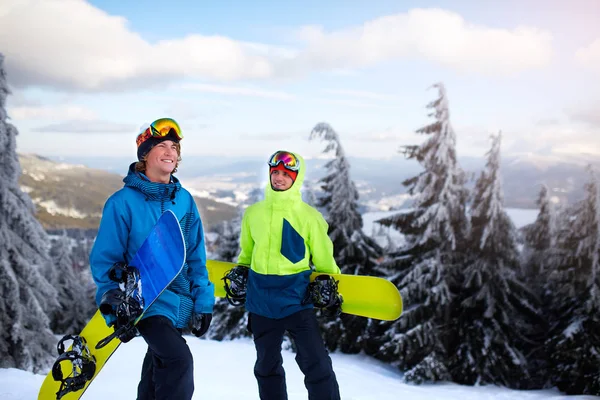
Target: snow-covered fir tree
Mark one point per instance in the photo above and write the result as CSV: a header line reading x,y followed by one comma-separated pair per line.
x,y
494,309
355,252
229,322
26,297
537,260
435,229
228,246
539,238
309,196
574,342
80,251
75,289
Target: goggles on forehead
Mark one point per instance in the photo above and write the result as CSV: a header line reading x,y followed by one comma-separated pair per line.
x,y
286,158
160,128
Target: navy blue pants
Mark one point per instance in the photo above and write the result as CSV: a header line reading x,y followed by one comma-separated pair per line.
x,y
311,356
168,368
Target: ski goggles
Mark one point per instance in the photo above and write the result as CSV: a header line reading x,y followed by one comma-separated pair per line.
x,y
286,158
160,128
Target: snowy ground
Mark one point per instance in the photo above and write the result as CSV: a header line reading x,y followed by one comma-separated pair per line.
x,y
223,370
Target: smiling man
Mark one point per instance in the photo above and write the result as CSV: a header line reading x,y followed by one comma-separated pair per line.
x,y
128,216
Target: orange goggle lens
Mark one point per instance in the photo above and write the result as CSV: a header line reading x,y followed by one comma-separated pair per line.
x,y
288,159
160,128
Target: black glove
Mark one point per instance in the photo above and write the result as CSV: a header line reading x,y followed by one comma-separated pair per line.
x,y
128,333
323,293
125,308
111,300
125,311
200,323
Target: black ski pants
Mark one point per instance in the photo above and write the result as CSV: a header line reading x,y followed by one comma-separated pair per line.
x,y
168,368
312,356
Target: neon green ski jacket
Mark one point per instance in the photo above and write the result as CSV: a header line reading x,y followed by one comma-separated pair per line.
x,y
280,237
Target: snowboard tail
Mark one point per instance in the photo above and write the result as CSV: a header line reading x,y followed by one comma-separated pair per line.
x,y
364,296
159,260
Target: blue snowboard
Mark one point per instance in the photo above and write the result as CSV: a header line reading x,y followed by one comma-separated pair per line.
x,y
159,260
161,257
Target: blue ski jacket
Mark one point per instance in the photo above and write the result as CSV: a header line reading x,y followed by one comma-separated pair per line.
x,y
127,218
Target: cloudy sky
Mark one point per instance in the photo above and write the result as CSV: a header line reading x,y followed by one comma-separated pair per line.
x,y
247,77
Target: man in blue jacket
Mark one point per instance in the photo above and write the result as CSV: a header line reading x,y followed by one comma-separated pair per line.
x,y
128,216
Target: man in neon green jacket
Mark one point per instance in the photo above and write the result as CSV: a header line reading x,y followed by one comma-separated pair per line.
x,y
280,236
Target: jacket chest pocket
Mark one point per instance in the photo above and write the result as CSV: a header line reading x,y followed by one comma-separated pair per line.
x,y
292,243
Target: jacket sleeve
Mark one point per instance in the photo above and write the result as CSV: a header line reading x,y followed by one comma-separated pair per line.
x,y
321,247
202,289
109,247
246,242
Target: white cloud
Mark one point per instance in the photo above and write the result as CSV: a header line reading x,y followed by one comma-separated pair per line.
x,y
397,136
72,44
86,127
589,56
360,94
20,99
271,136
354,103
559,139
344,72
51,112
589,116
237,91
437,35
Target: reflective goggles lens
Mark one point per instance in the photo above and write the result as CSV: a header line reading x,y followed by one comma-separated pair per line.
x,y
160,128
288,159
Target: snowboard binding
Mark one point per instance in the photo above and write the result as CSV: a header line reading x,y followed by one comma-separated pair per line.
x,y
235,282
125,303
323,293
83,365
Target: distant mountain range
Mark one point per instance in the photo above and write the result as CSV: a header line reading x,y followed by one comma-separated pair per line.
x,y
379,180
70,192
71,196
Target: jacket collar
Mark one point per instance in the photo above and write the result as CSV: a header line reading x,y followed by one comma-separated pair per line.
x,y
152,190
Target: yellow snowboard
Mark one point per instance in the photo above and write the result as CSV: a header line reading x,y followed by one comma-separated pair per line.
x,y
365,296
94,331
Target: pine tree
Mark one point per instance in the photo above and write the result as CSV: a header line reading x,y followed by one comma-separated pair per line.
x,y
309,196
26,297
539,238
574,343
354,251
77,304
435,229
229,240
538,257
494,308
229,322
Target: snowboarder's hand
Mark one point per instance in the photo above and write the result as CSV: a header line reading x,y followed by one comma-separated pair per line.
x,y
125,308
128,334
200,323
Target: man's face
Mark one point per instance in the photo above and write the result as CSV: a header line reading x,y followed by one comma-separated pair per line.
x,y
162,159
280,180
